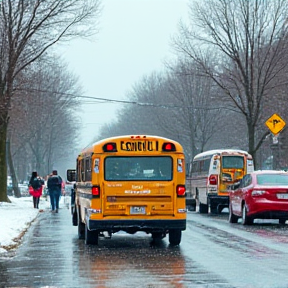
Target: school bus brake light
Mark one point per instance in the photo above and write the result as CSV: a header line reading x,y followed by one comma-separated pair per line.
x,y
110,147
168,147
181,190
96,191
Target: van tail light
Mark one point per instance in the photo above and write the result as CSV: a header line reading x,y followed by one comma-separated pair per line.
x,y
213,180
181,190
96,191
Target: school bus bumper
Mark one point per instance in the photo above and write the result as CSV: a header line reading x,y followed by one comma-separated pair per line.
x,y
137,225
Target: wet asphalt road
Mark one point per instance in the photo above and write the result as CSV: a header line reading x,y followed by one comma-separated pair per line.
x,y
52,256
212,254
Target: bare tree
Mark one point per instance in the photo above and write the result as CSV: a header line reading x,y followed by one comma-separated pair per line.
x,y
197,96
141,113
27,30
45,114
248,42
176,105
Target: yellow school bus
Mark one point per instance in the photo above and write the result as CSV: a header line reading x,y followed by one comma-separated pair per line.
x,y
131,184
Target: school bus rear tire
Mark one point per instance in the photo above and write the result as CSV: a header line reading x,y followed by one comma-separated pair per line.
x,y
175,236
157,235
91,237
81,226
74,217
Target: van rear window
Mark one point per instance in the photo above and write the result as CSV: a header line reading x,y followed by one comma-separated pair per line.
x,y
236,162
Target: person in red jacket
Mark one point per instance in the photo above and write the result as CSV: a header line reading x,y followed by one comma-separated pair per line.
x,y
35,188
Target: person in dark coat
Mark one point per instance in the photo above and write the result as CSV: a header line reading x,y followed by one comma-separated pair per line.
x,y
36,187
54,185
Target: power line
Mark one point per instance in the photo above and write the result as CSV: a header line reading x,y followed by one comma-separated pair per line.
x,y
105,100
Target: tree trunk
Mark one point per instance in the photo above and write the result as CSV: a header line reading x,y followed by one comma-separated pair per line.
x,y
251,137
3,167
15,187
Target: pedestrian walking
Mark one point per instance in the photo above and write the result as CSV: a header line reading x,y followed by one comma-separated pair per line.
x,y
54,185
35,188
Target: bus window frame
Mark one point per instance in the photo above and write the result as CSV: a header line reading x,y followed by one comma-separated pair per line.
x,y
171,174
88,169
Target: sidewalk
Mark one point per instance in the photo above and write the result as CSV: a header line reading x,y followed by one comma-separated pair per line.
x,y
17,216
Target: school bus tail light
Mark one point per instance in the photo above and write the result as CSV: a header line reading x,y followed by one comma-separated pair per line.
x,y
180,190
213,180
96,191
110,147
167,146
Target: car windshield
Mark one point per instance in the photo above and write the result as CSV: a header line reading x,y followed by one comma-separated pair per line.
x,y
272,179
138,168
233,162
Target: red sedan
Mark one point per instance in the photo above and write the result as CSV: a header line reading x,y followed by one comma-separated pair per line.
x,y
261,194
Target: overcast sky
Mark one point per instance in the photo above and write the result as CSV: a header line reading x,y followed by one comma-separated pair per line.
x,y
133,41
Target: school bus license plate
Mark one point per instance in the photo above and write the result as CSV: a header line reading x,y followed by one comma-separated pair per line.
x,y
138,210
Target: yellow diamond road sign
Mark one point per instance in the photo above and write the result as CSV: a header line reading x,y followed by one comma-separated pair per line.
x,y
275,123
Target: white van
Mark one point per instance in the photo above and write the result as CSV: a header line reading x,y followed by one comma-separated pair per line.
x,y
214,172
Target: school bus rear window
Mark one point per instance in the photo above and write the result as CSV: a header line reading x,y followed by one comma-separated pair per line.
x,y
138,168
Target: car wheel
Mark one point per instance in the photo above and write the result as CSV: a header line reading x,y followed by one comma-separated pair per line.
x,y
232,218
246,220
282,221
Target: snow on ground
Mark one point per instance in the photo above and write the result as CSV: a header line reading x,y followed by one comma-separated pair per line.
x,y
16,218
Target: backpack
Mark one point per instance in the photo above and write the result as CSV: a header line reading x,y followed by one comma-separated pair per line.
x,y
55,181
36,183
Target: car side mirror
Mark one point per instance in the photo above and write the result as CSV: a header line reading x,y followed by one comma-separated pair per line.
x,y
236,185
